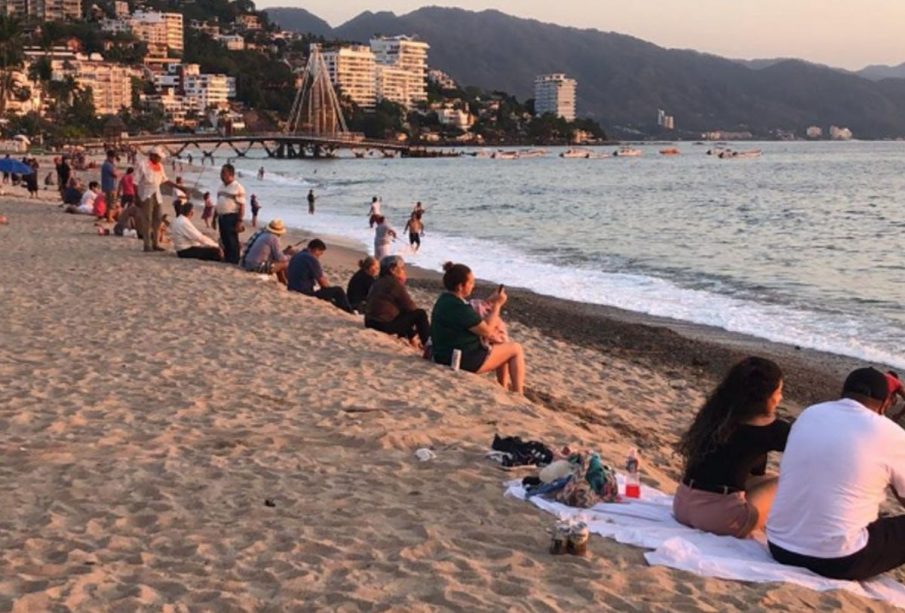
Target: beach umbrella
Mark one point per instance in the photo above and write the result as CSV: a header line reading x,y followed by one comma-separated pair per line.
x,y
15,167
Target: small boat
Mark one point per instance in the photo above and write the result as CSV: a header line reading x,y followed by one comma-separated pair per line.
x,y
505,155
532,153
627,152
729,154
575,153
669,151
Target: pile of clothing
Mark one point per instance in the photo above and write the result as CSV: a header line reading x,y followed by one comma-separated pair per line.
x,y
577,479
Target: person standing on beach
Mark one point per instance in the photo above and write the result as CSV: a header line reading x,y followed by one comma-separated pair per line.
x,y
109,175
150,177
255,208
208,211
126,188
261,173
311,202
64,173
384,235
374,211
230,212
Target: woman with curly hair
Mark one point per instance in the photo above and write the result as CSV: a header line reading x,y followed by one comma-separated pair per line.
x,y
724,488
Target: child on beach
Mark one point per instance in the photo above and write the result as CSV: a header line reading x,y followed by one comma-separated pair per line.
x,y
162,236
208,210
255,207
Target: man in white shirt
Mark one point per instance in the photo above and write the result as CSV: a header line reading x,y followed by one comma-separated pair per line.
x,y
230,211
149,178
840,458
189,241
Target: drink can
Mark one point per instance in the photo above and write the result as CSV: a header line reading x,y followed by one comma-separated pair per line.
x,y
456,359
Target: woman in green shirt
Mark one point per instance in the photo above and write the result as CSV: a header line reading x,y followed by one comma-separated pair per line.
x,y
455,325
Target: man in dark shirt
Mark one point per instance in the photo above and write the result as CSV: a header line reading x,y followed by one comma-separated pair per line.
x,y
305,271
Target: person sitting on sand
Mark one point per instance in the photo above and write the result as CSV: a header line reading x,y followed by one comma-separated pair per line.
x,y
163,232
189,241
130,218
840,460
455,325
390,308
724,488
305,272
498,333
361,282
72,194
263,254
86,204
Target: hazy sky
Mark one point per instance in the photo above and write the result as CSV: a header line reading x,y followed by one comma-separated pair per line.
x,y
844,33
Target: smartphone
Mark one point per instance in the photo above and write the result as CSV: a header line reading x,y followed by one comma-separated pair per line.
x,y
499,290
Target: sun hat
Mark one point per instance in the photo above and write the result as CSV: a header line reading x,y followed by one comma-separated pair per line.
x,y
158,151
868,382
276,227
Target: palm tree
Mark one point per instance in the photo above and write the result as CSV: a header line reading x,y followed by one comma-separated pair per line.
x,y
10,56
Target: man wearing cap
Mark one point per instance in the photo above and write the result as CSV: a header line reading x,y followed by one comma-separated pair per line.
x,y
149,178
840,458
263,254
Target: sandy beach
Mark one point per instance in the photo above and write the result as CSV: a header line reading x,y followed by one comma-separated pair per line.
x,y
185,436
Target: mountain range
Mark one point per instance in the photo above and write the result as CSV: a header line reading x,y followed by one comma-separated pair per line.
x,y
623,80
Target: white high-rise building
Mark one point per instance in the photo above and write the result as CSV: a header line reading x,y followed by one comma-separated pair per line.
x,y
555,93
111,85
406,57
353,70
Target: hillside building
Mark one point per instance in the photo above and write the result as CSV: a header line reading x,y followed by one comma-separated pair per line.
x,y
353,70
665,120
814,132
837,133
555,93
401,58
163,32
44,10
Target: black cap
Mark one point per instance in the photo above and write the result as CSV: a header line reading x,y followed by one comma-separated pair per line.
x,y
868,382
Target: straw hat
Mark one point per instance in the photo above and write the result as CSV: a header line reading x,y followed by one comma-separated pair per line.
x,y
276,227
158,151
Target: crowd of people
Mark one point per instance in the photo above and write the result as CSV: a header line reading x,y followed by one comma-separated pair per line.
x,y
377,291
839,458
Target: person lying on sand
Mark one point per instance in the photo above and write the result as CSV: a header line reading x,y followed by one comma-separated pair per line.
x,y
724,487
263,254
305,272
390,308
455,325
840,460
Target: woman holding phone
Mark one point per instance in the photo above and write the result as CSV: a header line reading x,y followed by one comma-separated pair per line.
x,y
455,325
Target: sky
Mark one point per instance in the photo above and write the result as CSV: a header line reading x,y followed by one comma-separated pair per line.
x,y
843,33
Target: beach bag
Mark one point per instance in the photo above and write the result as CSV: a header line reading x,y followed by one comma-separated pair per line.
x,y
592,481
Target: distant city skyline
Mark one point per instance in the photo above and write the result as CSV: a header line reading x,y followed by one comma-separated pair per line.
x,y
847,34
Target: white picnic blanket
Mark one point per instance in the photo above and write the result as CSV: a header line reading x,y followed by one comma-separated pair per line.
x,y
648,522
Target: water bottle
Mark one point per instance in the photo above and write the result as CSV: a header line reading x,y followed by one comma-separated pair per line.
x,y
632,474
456,360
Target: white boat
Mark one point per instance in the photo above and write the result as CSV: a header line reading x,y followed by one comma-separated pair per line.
x,y
505,155
575,153
532,153
627,152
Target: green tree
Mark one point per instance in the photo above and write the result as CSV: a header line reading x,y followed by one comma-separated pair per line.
x,y
11,56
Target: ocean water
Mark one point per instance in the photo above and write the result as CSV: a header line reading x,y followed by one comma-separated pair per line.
x,y
803,245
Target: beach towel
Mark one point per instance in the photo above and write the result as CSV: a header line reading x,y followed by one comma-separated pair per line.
x,y
648,522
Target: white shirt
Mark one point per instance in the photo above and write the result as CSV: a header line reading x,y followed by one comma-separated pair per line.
x,y
185,235
229,197
86,204
838,462
148,181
